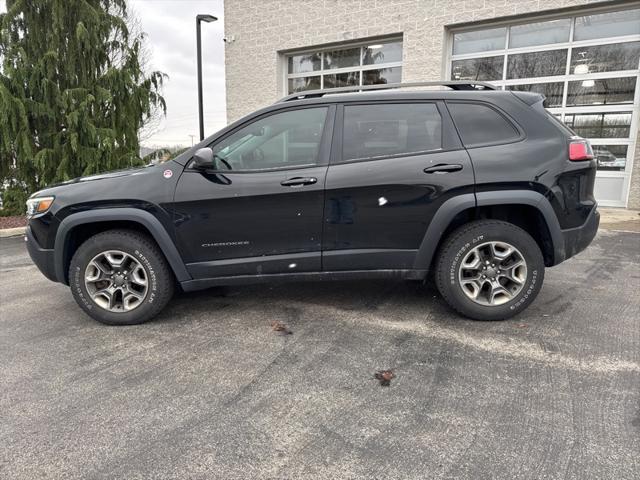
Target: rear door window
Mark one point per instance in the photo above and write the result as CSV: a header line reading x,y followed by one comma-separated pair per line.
x,y
387,130
480,125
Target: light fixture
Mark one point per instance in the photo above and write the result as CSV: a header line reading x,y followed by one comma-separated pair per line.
x,y
207,19
588,83
581,69
376,46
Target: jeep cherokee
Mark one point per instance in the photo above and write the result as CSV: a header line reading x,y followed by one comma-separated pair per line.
x,y
482,188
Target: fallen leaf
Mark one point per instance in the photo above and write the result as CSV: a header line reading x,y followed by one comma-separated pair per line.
x,y
385,377
280,327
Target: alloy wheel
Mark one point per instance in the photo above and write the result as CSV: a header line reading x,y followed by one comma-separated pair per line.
x,y
492,273
116,281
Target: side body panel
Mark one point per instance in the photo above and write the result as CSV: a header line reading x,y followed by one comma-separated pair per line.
x,y
150,189
377,211
253,222
538,162
143,196
248,223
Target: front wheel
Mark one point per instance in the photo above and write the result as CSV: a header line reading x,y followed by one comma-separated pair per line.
x,y
120,277
489,270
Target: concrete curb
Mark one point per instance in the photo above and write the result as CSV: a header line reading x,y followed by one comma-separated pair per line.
x,y
616,215
12,232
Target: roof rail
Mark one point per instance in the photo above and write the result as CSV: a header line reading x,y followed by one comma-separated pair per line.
x,y
452,84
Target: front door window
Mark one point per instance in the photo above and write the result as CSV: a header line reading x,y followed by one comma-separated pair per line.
x,y
284,140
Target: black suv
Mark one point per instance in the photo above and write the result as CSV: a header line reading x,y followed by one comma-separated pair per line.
x,y
481,187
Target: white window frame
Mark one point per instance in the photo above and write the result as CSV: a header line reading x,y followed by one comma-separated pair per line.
x,y
360,68
561,111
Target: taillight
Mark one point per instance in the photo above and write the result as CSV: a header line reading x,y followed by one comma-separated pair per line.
x,y
580,150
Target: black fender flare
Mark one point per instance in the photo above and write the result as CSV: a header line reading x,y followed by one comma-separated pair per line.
x,y
439,223
452,207
142,217
540,203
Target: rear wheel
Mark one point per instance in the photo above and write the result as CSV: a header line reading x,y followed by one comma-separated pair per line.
x,y
120,277
489,270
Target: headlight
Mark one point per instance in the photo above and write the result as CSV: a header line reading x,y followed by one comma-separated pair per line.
x,y
38,205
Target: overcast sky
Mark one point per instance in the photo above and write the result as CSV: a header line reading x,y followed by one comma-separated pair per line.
x,y
171,34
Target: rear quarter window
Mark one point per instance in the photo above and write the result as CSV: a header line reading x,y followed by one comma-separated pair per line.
x,y
560,125
480,125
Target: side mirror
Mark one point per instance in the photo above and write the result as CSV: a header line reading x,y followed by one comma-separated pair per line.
x,y
204,158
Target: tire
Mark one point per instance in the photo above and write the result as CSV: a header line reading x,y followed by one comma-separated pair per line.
x,y
140,297
505,290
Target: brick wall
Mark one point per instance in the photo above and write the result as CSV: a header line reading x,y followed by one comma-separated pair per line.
x,y
263,28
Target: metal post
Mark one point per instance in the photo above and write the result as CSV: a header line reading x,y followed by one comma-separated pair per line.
x,y
199,18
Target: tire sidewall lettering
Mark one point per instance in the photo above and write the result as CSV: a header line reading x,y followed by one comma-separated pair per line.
x,y
78,286
153,287
526,293
453,271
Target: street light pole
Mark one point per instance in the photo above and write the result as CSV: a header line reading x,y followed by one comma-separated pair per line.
x,y
208,19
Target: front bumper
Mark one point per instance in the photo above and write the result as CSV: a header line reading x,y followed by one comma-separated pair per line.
x,y
42,257
579,238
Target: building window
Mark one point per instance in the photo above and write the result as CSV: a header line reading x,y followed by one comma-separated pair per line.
x,y
586,65
372,63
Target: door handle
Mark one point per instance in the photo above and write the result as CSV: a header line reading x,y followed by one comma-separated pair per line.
x,y
444,168
298,181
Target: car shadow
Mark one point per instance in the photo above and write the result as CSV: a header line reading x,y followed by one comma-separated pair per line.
x,y
360,297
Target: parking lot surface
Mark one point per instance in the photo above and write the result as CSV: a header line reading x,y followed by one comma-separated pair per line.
x,y
210,390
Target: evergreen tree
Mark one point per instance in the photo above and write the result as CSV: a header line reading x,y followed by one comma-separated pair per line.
x,y
73,93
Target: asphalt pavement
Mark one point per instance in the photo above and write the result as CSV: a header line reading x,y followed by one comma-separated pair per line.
x,y
210,390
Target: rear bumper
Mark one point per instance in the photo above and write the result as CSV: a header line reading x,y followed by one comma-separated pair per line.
x,y
579,238
43,258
